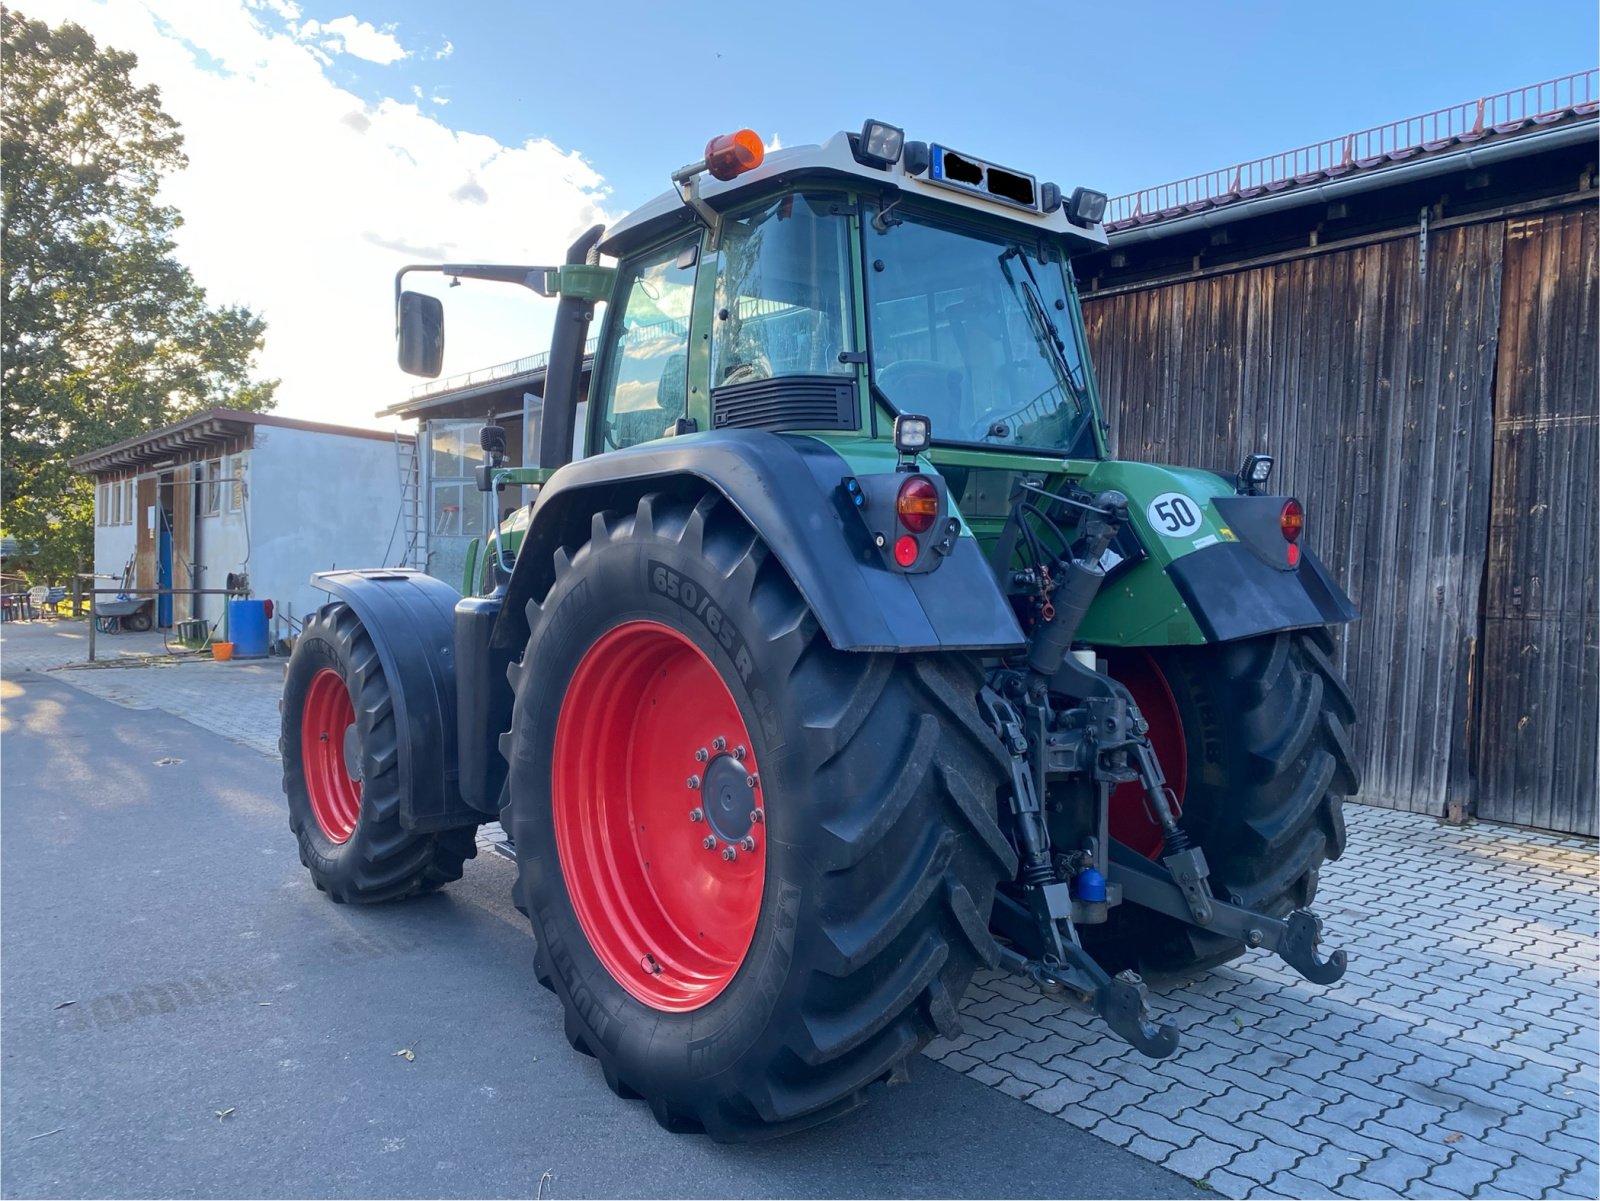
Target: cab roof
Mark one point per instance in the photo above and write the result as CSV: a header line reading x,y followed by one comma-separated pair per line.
x,y
834,160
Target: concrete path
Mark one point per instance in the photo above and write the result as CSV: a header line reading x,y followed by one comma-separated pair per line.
x,y
1458,1057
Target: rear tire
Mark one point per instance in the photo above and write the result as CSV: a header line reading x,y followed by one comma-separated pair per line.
x,y
348,828
879,851
1266,724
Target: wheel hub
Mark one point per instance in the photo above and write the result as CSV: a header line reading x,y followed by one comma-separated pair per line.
x,y
728,799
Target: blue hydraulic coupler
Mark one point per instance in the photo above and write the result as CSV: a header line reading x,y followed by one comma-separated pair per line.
x,y
1089,885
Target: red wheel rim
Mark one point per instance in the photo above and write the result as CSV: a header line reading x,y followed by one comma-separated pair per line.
x,y
326,724
1130,820
652,759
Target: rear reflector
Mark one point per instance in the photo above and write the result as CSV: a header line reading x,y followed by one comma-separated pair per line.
x,y
906,550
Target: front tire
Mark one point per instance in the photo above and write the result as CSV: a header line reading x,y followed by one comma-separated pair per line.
x,y
812,965
1266,762
341,772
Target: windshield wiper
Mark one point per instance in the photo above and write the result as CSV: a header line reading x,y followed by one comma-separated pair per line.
x,y
1047,331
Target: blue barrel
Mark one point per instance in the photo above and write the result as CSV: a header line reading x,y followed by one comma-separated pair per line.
x,y
247,628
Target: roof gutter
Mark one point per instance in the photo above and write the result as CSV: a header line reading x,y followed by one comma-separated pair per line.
x,y
1442,164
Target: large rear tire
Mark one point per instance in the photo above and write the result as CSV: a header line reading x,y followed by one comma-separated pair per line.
x,y
750,994
1265,725
341,772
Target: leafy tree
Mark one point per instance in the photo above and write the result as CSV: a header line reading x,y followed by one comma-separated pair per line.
x,y
103,333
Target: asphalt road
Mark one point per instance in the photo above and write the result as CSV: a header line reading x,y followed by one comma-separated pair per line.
x,y
232,1033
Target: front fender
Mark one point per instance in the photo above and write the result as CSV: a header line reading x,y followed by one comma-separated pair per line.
x,y
410,618
787,487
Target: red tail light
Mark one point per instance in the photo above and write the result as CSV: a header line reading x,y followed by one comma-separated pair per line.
x,y
1292,520
917,504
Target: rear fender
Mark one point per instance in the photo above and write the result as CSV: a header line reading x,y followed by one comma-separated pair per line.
x,y
1199,579
789,489
410,619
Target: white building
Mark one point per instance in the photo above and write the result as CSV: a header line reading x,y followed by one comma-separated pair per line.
x,y
248,500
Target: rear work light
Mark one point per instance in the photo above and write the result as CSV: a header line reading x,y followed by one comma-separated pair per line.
x,y
917,505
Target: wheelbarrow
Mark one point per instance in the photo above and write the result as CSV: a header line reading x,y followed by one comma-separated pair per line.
x,y
124,613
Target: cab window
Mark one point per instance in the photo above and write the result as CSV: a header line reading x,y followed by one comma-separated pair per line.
x,y
648,357
783,292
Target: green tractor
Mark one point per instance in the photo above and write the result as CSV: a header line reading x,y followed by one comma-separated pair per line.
x,y
843,661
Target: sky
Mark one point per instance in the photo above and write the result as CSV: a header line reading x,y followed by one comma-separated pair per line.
x,y
333,141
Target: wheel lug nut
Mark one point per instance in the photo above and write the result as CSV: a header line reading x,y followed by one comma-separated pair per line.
x,y
748,843
697,814
751,781
701,756
730,854
757,817
739,752
709,842
693,781
719,743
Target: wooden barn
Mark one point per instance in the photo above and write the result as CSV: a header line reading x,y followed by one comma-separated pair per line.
x,y
1406,318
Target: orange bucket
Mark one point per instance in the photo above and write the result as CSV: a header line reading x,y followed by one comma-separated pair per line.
x,y
222,651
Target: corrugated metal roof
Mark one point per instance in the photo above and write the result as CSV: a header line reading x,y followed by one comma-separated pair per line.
x,y
212,427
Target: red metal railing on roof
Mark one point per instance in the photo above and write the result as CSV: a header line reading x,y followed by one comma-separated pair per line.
x,y
1501,113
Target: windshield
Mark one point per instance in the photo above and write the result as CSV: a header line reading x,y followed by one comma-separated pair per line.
x,y
977,333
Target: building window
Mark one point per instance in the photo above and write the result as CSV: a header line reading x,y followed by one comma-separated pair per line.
x,y
127,501
211,488
116,503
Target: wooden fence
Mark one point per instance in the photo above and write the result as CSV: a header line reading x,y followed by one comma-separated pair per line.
x,y
1438,417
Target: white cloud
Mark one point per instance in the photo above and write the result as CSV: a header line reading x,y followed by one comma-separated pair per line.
x,y
301,201
347,35
446,50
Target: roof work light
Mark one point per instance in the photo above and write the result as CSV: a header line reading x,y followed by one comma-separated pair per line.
x,y
880,143
1087,207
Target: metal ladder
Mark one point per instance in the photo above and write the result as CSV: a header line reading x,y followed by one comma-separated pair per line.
x,y
413,548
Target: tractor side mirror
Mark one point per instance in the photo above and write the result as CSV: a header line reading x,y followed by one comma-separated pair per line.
x,y
420,332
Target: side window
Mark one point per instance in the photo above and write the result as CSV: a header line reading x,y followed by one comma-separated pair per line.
x,y
783,293
648,359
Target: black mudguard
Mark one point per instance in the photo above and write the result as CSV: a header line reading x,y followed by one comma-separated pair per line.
x,y
410,617
788,488
1233,592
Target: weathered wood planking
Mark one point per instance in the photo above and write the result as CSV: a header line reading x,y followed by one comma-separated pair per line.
x,y
1374,385
1539,713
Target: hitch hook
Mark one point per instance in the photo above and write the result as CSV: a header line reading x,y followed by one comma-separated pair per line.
x,y
1120,1002
1298,948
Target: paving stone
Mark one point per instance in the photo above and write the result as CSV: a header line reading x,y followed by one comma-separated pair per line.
x,y
1152,1149
984,1074
1292,1184
1113,1132
1402,1139
1293,1138
1393,1169
1523,1177
1058,1096
1230,1185
1200,1158
1461,1173
1265,1160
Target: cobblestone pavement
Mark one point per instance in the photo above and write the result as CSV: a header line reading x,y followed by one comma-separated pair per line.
x,y
1457,1058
